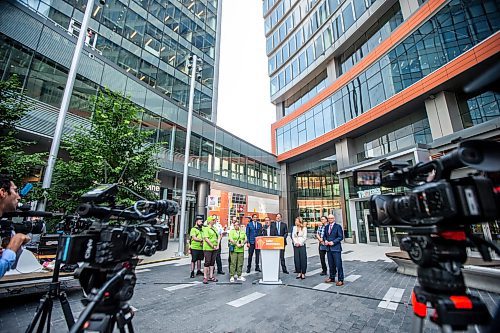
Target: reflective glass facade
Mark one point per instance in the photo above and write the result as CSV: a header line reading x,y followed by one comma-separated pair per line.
x,y
480,109
456,28
40,55
150,39
327,21
315,193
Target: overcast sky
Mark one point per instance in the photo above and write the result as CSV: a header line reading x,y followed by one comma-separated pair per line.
x,y
244,108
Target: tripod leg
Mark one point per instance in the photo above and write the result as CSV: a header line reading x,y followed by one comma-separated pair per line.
x,y
39,310
130,327
417,324
68,315
43,319
49,317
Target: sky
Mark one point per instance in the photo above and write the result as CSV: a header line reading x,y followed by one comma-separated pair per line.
x,y
244,106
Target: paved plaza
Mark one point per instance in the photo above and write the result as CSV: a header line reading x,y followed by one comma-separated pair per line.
x,y
375,298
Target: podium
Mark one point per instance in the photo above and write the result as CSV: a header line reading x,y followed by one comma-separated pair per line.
x,y
270,247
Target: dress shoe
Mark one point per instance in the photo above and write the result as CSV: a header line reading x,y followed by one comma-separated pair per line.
x,y
322,273
248,270
329,280
285,272
257,269
221,273
339,283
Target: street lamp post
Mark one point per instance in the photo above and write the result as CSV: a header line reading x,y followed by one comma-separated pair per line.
x,y
68,89
195,72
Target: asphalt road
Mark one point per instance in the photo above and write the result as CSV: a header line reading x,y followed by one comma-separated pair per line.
x,y
375,298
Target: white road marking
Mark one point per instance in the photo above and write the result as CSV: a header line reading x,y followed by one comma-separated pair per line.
x,y
323,286
181,286
143,270
246,299
391,299
352,278
156,264
316,271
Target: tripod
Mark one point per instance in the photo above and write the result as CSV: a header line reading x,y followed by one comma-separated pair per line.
x,y
43,312
440,255
107,306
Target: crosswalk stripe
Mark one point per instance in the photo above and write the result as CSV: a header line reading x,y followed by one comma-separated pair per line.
x,y
352,278
181,286
156,264
391,298
316,271
143,270
323,286
246,299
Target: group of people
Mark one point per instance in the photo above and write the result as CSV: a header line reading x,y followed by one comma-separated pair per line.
x,y
205,243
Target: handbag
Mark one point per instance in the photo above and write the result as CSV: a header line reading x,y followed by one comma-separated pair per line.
x,y
231,247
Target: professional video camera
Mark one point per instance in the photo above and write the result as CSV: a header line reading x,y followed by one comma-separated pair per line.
x,y
109,248
437,213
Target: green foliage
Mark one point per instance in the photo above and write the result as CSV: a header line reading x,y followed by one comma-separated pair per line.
x,y
112,150
14,106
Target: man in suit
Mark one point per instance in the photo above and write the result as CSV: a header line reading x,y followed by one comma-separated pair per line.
x,y
266,227
253,230
279,228
333,236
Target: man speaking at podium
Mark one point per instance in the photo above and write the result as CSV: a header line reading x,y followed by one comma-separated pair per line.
x,y
279,228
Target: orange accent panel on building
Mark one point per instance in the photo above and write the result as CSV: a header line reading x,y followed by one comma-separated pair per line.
x,y
404,30
472,57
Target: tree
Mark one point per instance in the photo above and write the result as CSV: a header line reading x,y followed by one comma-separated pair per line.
x,y
13,107
111,150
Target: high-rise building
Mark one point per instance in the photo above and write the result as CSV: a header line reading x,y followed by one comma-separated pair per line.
x,y
139,48
360,82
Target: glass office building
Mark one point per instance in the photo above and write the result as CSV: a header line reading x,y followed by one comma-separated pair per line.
x,y
360,82
139,48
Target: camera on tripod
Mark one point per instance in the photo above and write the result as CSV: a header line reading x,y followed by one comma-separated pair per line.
x,y
437,213
106,241
435,197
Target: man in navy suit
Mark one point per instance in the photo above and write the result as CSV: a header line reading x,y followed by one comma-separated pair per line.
x,y
254,229
333,235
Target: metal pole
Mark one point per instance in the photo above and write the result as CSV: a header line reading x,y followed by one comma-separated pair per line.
x,y
182,230
54,149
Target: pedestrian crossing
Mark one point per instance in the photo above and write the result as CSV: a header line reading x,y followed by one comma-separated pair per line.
x,y
391,299
181,286
246,299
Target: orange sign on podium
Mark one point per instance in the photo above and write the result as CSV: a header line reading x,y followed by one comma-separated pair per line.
x,y
269,243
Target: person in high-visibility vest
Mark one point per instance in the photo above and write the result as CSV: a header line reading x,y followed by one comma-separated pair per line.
x,y
237,240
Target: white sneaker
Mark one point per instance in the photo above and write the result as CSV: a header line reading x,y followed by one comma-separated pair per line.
x,y
231,279
241,278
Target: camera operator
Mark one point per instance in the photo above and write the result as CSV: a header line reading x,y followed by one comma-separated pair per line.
x,y
9,197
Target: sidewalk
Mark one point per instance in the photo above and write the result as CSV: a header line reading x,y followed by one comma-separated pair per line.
x,y
351,252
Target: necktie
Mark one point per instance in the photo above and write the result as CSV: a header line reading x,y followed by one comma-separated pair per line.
x,y
255,225
278,225
330,230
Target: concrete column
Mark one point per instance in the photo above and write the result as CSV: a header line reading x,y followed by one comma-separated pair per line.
x,y
202,194
284,208
279,111
331,72
444,114
408,7
345,152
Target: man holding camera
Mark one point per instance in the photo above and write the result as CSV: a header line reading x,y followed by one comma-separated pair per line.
x,y
9,197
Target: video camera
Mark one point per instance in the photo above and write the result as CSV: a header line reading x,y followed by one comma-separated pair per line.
x,y
437,213
435,198
106,241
